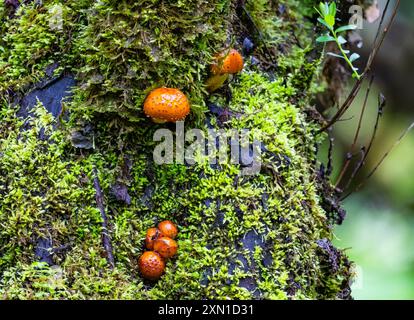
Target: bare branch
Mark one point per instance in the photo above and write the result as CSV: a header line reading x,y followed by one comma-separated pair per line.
x,y
384,157
361,117
381,105
106,239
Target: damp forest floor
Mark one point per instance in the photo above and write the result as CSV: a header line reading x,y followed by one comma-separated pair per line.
x,y
72,94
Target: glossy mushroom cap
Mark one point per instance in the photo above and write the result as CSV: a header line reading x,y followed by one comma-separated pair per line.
x,y
168,229
152,235
151,265
166,105
227,62
166,247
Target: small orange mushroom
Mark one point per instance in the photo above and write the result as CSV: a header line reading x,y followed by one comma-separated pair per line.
x,y
226,63
151,265
168,229
166,247
166,105
152,235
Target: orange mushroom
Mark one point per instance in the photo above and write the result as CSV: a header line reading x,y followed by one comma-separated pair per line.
x,y
152,235
166,105
151,265
166,247
168,229
225,63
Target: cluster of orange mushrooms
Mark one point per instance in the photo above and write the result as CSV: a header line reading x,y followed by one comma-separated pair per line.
x,y
160,241
171,105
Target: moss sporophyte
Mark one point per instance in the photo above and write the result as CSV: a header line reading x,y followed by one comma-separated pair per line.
x,y
240,235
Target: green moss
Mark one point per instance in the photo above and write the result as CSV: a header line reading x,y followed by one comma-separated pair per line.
x,y
29,45
129,49
120,53
72,218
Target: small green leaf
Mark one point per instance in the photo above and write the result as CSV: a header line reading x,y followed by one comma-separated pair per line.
x,y
324,8
335,55
354,57
324,23
332,9
320,13
346,28
347,51
342,40
330,20
325,38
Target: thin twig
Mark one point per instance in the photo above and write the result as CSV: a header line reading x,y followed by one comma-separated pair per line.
x,y
329,167
363,153
371,56
381,105
364,106
106,239
396,144
384,157
361,117
351,97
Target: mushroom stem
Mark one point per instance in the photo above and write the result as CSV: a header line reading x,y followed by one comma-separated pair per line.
x,y
158,120
216,81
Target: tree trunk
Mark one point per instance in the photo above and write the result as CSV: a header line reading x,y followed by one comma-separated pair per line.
x,y
91,64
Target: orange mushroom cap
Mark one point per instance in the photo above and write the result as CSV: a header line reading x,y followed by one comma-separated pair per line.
x,y
151,265
166,105
168,229
166,247
152,235
227,62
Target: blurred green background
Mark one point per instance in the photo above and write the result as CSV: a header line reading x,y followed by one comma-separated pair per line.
x,y
378,233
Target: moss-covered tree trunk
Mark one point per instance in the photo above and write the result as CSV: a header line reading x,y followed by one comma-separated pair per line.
x,y
73,78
